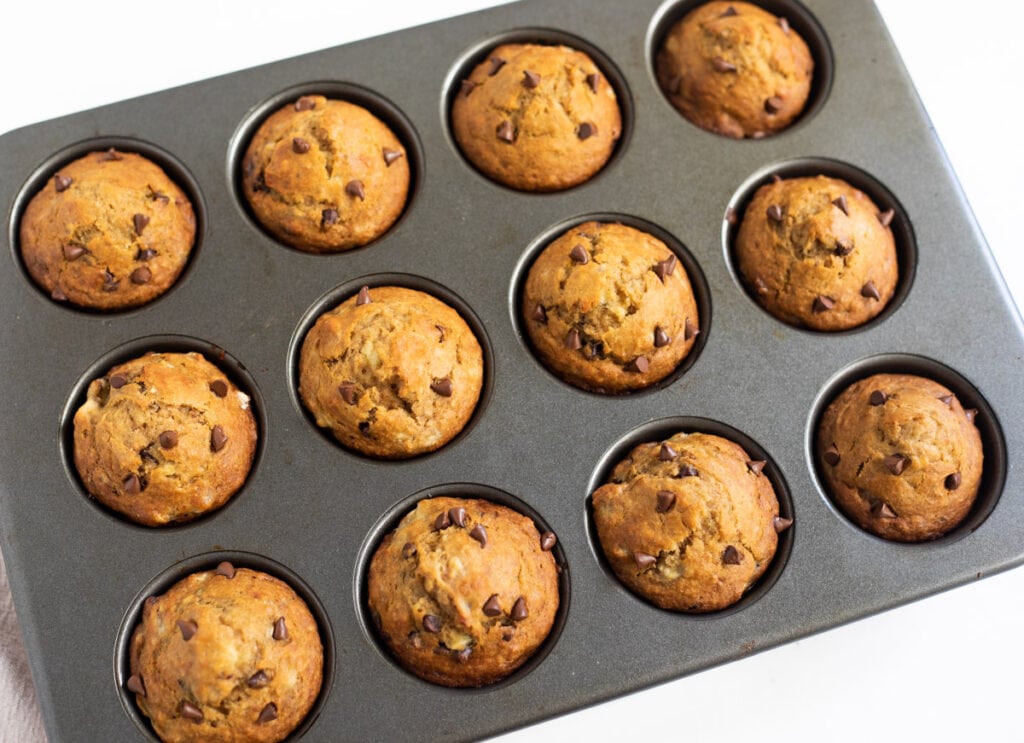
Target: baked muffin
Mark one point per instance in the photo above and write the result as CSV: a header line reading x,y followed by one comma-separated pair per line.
x,y
228,655
609,308
109,231
900,456
391,372
536,117
463,591
735,69
689,523
817,253
164,438
325,175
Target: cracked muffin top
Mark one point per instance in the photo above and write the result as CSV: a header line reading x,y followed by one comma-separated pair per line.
x,y
689,523
609,308
817,253
391,372
536,117
325,175
109,231
463,591
226,655
164,438
900,456
735,69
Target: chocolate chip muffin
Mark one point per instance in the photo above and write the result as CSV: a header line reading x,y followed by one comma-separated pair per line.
x,y
689,523
609,308
536,117
900,456
164,438
463,591
391,372
735,69
228,655
325,175
109,231
817,253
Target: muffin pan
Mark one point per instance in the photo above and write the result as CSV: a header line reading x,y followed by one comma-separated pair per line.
x,y
312,512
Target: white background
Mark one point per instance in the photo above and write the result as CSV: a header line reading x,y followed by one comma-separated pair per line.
x,y
944,668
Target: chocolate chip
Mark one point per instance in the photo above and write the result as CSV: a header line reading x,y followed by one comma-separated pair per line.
x,y
505,132
952,482
363,297
132,484
572,340
731,556
219,387
218,439
57,295
134,684
687,470
586,130
831,456
759,286
840,201
579,255
329,217
690,330
723,65
530,79
730,11
408,550
431,624
731,216
773,105
592,80
491,607
971,413
547,541
73,252
774,213
896,463
280,629
226,569
886,217
539,314
661,338
161,197
150,602
823,303
756,466
443,521
776,178
843,247
300,146
145,254
305,103
141,275
946,399
870,291
519,611
168,439
643,560
61,182
496,64
784,25
391,155
191,712
667,453
347,390
467,87
139,221
877,397
188,629
109,284
267,714
443,387
258,680
666,500
479,533
882,510
780,524
110,155
665,268
355,189
118,381
458,516
462,656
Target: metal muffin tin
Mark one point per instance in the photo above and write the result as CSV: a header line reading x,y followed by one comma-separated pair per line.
x,y
312,512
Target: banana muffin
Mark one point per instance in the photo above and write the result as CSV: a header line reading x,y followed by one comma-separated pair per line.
x,y
109,231
609,308
537,117
463,591
900,456
226,655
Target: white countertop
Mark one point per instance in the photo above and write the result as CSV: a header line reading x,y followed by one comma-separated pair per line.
x,y
938,669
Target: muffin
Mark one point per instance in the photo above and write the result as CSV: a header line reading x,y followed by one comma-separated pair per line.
x,y
463,591
537,117
609,308
228,655
689,523
900,456
325,175
735,69
109,231
817,253
164,438
391,372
